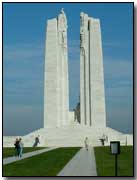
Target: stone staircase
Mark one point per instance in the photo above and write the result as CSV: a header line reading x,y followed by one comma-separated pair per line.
x,y
71,136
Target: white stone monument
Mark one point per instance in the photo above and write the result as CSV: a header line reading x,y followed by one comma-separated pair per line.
x,y
56,93
92,97
60,129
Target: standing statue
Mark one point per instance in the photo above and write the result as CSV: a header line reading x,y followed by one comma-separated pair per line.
x,y
64,19
82,34
62,29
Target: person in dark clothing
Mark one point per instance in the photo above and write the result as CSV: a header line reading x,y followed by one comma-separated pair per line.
x,y
36,141
17,148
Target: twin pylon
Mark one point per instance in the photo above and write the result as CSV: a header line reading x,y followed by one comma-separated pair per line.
x,y
56,89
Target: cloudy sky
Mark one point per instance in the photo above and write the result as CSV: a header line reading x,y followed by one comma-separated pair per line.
x,y
24,32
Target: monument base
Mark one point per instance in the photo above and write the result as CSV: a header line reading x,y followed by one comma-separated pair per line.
x,y
71,136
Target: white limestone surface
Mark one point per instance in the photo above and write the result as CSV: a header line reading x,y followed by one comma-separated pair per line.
x,y
56,89
92,96
71,136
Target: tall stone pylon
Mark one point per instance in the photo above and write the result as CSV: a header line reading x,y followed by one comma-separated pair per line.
x,y
92,95
56,90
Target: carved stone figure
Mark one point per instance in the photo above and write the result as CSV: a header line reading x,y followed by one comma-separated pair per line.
x,y
82,19
64,38
62,29
62,21
82,34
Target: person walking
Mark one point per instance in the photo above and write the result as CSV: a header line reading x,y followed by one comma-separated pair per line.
x,y
86,143
36,141
20,147
16,144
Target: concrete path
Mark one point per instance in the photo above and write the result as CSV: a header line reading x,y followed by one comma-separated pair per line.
x,y
26,155
82,164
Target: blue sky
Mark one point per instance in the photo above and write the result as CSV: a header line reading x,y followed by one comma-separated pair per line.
x,y
24,32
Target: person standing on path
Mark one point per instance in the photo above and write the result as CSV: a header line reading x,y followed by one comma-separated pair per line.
x,y
36,141
20,147
86,143
16,144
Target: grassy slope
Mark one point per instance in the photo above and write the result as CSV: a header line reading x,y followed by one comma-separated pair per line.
x,y
46,164
105,162
10,151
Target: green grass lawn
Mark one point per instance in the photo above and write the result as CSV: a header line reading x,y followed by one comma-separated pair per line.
x,y
105,162
10,151
45,164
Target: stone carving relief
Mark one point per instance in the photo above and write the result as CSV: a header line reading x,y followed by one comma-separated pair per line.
x,y
63,20
62,28
82,35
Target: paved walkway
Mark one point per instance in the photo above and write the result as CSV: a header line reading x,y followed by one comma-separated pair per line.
x,y
82,164
26,155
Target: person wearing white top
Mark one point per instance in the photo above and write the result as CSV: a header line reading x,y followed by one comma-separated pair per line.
x,y
20,147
